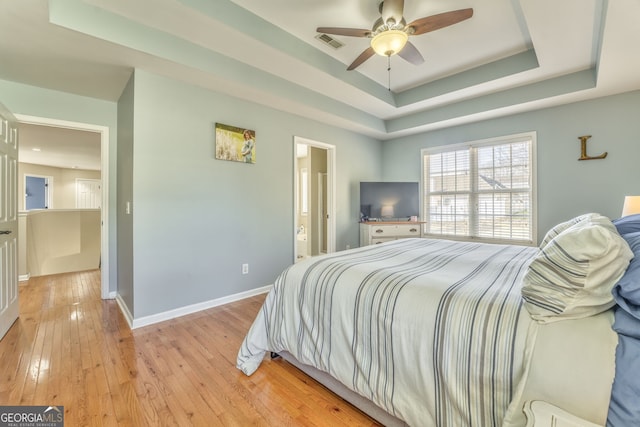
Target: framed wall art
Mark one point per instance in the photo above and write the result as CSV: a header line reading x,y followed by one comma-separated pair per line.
x,y
235,144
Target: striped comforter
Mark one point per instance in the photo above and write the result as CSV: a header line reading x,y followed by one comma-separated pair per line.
x,y
432,331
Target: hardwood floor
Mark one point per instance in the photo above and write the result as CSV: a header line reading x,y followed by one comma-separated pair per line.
x,y
71,348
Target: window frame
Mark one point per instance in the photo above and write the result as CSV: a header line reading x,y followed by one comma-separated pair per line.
x,y
474,191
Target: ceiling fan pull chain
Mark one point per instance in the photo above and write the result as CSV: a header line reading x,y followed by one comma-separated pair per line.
x,y
389,71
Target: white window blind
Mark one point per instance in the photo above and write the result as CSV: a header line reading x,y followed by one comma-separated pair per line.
x,y
481,190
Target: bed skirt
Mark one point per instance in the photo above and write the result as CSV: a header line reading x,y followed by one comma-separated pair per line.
x,y
338,388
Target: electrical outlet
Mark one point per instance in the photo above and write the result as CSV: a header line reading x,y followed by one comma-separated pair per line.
x,y
245,268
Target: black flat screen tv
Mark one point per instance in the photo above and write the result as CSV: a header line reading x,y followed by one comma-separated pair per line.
x,y
389,200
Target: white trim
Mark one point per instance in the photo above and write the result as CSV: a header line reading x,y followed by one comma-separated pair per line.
x,y
104,171
24,277
331,188
496,140
189,309
124,310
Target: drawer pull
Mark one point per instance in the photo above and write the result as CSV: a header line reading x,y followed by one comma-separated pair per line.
x,y
414,230
379,230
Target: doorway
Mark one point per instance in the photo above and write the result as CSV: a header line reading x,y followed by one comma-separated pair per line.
x,y
104,178
314,197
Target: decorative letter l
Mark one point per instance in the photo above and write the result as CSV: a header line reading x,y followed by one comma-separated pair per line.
x,y
583,149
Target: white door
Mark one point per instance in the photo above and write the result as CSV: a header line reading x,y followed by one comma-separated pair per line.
x,y
322,212
88,194
8,220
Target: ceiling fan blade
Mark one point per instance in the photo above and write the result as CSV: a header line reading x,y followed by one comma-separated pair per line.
x,y
392,9
435,22
351,32
410,53
368,53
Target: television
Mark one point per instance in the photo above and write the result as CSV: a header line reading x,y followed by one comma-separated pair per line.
x,y
380,201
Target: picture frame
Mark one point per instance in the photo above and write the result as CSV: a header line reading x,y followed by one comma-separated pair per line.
x,y
235,143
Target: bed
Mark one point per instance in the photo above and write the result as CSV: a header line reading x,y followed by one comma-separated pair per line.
x,y
432,332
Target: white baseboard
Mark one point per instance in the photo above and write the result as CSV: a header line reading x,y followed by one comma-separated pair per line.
x,y
189,309
125,310
24,277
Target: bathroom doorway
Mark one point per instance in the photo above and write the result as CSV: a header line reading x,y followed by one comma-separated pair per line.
x,y
314,225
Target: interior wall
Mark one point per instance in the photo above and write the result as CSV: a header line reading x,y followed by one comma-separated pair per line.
x,y
195,226
64,183
124,186
60,241
216,210
566,187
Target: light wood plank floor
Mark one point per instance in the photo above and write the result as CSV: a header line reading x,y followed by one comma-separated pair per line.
x,y
71,348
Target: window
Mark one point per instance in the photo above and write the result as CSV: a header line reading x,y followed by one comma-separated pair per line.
x,y
481,190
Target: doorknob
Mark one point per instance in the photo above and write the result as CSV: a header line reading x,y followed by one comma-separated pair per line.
x,y
5,231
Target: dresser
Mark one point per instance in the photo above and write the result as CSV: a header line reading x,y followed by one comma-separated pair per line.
x,y
372,233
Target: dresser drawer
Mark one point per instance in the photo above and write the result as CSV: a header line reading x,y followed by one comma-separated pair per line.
x,y
377,240
382,231
373,232
408,230
395,230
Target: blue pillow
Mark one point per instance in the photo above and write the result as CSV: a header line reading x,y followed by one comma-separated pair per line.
x,y
627,224
624,407
627,291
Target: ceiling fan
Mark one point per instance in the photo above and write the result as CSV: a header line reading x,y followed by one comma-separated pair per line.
x,y
390,33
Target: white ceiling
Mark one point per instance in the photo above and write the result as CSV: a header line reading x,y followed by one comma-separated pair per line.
x,y
511,56
59,147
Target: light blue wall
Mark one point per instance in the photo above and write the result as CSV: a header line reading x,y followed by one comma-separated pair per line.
x,y
196,219
124,186
566,187
44,103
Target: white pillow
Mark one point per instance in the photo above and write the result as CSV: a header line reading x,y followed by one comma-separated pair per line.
x,y
559,228
574,272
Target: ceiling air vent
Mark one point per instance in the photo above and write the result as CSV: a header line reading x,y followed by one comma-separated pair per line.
x,y
330,41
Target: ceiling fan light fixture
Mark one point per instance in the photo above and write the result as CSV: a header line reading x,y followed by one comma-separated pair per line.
x,y
389,42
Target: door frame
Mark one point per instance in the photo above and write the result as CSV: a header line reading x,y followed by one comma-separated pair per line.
x,y
331,191
104,177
